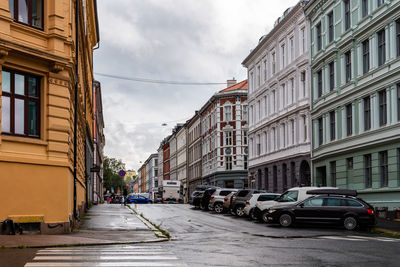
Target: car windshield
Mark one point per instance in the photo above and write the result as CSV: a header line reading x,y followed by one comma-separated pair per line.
x,y
289,196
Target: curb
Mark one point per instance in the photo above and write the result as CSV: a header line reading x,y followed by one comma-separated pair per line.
x,y
382,231
92,244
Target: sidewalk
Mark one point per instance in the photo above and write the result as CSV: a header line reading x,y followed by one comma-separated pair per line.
x,y
388,226
103,224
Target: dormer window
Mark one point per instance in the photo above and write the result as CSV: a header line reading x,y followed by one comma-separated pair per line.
x,y
28,12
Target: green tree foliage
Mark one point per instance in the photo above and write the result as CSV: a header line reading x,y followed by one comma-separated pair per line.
x,y
111,178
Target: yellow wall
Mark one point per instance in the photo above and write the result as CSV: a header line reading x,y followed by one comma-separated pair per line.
x,y
36,175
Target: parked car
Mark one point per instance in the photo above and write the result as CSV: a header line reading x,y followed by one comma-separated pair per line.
x,y
217,199
295,195
260,197
205,200
228,200
332,206
196,198
238,202
139,199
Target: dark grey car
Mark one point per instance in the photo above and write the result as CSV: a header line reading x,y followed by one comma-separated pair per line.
x,y
239,200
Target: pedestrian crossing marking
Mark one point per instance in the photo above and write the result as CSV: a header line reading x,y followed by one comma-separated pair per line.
x,y
105,256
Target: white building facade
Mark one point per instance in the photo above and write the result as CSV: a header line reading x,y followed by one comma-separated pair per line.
x,y
279,105
181,151
194,152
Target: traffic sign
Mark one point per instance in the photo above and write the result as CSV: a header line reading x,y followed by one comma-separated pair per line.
x,y
122,173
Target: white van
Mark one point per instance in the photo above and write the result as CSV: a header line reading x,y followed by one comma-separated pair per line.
x,y
295,194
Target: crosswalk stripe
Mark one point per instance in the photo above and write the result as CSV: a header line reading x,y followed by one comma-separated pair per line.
x,y
105,256
101,264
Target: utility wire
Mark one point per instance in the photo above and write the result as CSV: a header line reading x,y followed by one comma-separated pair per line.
x,y
135,79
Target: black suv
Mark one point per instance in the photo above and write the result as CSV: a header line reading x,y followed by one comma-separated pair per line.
x,y
205,200
238,201
334,206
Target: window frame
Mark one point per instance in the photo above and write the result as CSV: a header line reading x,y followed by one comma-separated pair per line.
x,y
331,29
382,95
26,98
333,173
318,29
332,122
383,168
368,170
364,8
349,119
226,108
332,76
379,3
365,56
15,14
381,47
320,131
319,83
347,19
398,37
367,113
347,62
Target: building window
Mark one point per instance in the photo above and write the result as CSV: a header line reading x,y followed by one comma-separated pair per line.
x,y
319,36
283,55
347,57
364,7
293,173
292,90
20,104
332,124
274,105
382,108
265,70
380,2
245,138
346,14
228,163
333,173
330,27
303,82
368,170
284,176
245,162
228,138
367,113
245,113
29,12
381,47
398,37
383,168
258,75
305,128
293,132
320,131
349,163
275,178
398,102
291,48
228,113
332,76
349,119
319,81
303,40
365,51
266,179
273,62
283,135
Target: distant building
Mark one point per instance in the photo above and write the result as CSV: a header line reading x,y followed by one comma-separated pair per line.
x,y
151,173
181,159
223,131
194,153
160,175
279,116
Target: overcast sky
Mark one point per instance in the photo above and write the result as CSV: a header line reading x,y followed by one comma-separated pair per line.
x,y
173,40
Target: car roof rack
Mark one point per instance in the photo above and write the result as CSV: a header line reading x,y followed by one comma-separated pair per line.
x,y
343,192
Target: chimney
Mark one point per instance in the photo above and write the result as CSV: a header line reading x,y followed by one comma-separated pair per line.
x,y
230,82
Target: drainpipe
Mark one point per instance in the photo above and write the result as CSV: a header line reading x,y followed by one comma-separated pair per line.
x,y
76,99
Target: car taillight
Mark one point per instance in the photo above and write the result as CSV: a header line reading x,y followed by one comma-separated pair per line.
x,y
248,203
370,211
226,199
163,199
212,197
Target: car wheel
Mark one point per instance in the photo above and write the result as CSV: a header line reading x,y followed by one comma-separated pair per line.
x,y
350,223
218,208
252,215
285,220
264,217
239,211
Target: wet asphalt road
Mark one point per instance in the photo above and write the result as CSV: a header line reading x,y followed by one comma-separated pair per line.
x,y
202,238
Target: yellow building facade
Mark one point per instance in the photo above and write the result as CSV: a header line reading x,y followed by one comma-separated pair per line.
x,y
37,110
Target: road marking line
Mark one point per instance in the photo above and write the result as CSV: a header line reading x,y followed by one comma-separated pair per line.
x,y
103,253
89,258
341,238
101,264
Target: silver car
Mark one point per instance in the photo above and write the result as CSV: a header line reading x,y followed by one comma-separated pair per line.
x,y
217,199
255,198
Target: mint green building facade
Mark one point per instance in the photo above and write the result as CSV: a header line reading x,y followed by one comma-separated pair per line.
x,y
355,97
